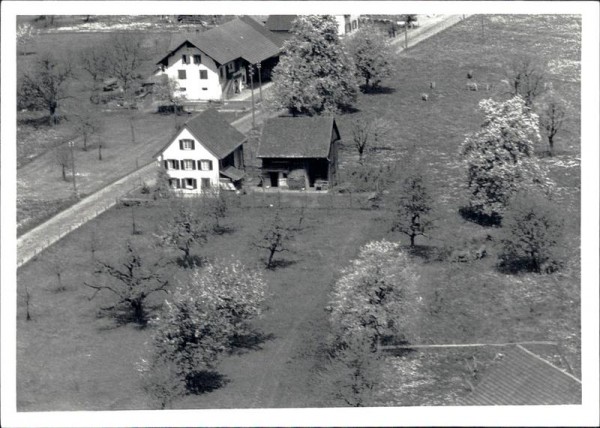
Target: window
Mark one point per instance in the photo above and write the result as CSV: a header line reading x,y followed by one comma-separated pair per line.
x,y
185,59
180,89
171,164
174,183
203,74
186,144
181,74
188,164
205,165
205,89
205,183
354,25
197,59
231,67
189,183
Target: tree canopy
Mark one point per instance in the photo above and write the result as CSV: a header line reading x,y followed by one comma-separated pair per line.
x,y
315,74
500,157
371,53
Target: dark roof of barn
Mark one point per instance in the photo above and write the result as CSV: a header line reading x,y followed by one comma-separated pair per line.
x,y
280,22
213,132
524,378
297,137
239,38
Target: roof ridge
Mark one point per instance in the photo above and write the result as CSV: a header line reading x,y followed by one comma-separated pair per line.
x,y
548,362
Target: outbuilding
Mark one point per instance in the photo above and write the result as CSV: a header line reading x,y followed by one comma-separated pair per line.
x,y
299,152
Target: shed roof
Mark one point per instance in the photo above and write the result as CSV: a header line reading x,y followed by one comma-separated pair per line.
x,y
523,378
239,38
213,132
280,22
297,137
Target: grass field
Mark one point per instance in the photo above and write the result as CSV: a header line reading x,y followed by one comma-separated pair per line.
x,y
85,364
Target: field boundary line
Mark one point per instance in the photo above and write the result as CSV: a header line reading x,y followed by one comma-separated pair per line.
x,y
466,345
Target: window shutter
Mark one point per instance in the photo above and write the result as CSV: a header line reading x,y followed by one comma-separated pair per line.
x,y
166,164
194,183
178,183
193,144
175,164
210,165
193,164
180,144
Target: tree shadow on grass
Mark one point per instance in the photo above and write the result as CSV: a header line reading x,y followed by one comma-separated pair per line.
x,y
386,90
282,263
205,381
35,122
253,341
223,230
394,341
475,216
427,253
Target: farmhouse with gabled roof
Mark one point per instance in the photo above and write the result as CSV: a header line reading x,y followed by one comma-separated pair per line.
x,y
206,154
215,64
299,152
281,25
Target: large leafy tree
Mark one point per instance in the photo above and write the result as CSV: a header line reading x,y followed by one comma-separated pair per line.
x,y
371,53
376,296
204,315
500,157
315,74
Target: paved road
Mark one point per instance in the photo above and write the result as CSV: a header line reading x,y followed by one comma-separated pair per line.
x,y
428,27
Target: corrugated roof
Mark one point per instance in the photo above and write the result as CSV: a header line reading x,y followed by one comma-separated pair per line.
x,y
523,378
213,132
297,137
280,22
239,38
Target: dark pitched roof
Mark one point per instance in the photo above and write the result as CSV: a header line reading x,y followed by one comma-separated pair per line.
x,y
523,378
239,38
213,132
297,137
280,22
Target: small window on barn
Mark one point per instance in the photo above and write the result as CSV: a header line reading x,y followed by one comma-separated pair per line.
x,y
203,74
205,165
189,164
197,59
181,74
186,144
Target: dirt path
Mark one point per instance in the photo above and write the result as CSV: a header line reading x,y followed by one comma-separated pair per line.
x,y
428,27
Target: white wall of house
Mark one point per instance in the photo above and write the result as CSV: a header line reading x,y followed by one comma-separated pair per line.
x,y
344,20
195,87
174,152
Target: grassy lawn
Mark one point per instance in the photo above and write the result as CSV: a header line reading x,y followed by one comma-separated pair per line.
x,y
68,358
71,359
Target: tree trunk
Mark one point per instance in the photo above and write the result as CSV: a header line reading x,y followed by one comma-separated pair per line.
x,y
139,315
100,151
270,261
85,142
412,240
64,172
132,130
551,143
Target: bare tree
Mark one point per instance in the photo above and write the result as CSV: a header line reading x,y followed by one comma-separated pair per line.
x,y
132,280
527,77
273,236
552,113
367,133
166,90
86,122
27,299
184,229
94,60
63,158
45,86
57,265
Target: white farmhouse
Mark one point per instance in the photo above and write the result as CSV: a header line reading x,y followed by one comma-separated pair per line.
x,y
281,25
206,154
215,64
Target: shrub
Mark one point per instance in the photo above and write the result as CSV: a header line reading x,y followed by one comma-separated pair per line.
x,y
532,235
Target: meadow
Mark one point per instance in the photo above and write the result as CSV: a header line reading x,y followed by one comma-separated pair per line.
x,y
69,359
